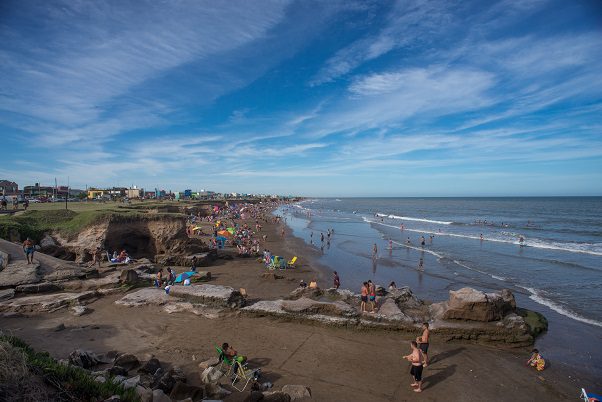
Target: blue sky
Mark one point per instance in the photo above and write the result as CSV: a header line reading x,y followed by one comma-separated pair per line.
x,y
406,98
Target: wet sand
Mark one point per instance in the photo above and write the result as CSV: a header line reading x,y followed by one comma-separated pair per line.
x,y
337,364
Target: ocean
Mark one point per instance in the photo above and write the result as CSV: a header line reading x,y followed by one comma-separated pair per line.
x,y
556,269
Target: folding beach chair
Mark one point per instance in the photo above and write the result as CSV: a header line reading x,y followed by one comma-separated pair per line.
x,y
590,397
275,262
243,373
291,263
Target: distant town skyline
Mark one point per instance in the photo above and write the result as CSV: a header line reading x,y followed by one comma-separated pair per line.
x,y
313,98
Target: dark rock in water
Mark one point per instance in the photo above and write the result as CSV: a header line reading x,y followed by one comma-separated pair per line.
x,y
117,370
127,361
84,359
129,276
182,391
474,305
150,366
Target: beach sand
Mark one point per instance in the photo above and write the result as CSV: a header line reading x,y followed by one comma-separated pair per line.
x,y
337,364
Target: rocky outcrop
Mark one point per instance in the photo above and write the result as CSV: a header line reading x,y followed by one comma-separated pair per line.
x,y
20,273
474,305
210,295
4,257
42,287
7,294
45,303
204,259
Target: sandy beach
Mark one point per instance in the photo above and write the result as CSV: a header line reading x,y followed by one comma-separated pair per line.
x,y
338,364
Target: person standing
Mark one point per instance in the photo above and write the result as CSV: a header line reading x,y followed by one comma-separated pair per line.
x,y
28,249
372,295
421,263
422,241
96,257
374,251
423,342
364,297
415,357
337,280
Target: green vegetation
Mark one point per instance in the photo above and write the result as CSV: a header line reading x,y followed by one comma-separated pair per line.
x,y
72,383
536,322
44,218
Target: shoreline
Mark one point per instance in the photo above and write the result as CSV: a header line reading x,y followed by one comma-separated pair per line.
x,y
336,363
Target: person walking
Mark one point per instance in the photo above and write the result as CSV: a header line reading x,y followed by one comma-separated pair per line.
x,y
28,249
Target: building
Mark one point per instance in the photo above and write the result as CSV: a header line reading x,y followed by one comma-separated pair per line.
x,y
95,193
9,187
134,192
37,191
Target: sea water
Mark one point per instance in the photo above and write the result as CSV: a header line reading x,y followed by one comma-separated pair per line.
x,y
555,269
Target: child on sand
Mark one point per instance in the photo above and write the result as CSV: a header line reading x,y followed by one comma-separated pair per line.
x,y
536,361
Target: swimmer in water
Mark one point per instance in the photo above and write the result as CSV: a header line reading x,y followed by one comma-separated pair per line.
x,y
390,244
374,250
521,240
422,241
481,237
408,241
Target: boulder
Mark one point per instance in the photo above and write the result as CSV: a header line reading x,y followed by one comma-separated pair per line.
x,y
59,327
211,375
41,287
254,396
214,361
159,396
145,394
389,310
129,277
20,273
7,294
474,305
307,292
297,392
127,360
276,396
168,380
117,370
145,297
404,298
150,366
47,242
305,305
131,382
80,310
181,391
84,359
4,257
271,276
216,391
50,302
211,295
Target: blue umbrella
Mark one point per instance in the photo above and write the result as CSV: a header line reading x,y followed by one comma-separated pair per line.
x,y
184,275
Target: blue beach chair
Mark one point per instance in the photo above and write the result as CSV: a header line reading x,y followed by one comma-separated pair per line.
x,y
590,397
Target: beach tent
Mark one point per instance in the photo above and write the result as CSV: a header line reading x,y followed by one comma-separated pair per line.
x,y
184,275
224,233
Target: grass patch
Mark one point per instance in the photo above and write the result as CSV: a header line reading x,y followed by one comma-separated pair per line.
x,y
34,223
72,383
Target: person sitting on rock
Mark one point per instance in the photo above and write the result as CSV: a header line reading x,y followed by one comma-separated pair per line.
x,y
171,276
302,284
313,284
123,256
537,361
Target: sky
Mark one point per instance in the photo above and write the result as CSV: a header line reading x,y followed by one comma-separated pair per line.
x,y
311,98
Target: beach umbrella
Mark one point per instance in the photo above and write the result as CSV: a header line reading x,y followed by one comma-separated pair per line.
x,y
224,233
184,275
231,230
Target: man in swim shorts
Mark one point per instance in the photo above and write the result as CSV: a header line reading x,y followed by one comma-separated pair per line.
x,y
423,342
28,249
372,295
416,371
364,296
